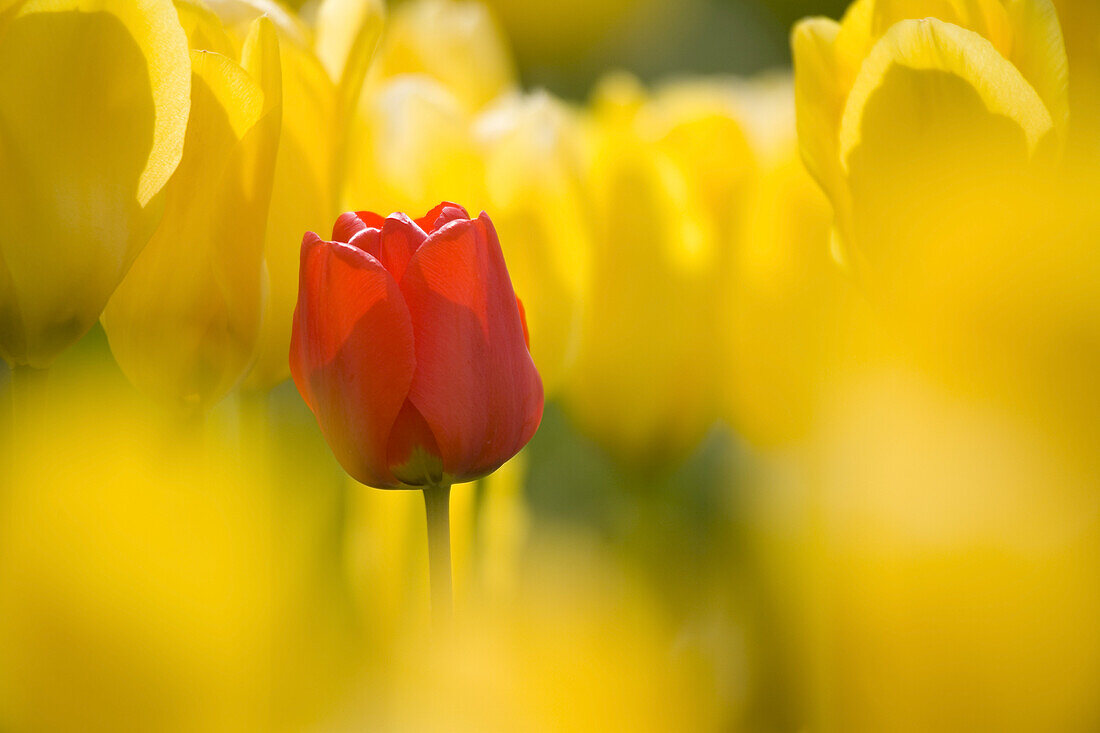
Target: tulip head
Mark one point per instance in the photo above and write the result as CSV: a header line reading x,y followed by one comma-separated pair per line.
x,y
94,101
926,123
184,322
409,345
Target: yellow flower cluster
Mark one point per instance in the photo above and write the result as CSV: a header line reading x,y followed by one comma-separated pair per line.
x,y
636,229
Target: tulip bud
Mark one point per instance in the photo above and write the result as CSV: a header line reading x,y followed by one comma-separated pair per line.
x,y
409,347
183,324
94,102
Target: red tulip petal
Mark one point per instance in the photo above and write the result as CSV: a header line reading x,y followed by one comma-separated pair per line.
x,y
401,237
369,240
443,214
351,353
413,452
475,383
352,222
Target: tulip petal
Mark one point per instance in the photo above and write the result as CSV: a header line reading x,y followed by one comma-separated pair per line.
x,y
818,100
1039,52
475,383
94,97
401,237
939,138
183,323
351,354
351,223
444,213
303,198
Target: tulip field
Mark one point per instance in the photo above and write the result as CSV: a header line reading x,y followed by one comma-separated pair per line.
x,y
550,365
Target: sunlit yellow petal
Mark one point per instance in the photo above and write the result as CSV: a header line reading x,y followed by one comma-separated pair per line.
x,y
938,138
184,322
533,190
456,42
94,96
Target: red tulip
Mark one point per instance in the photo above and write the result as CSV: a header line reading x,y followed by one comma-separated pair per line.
x,y
410,347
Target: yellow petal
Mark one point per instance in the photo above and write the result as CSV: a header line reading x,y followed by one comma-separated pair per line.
x,y
304,198
457,43
649,325
987,18
94,96
205,30
946,50
533,192
1039,52
939,139
413,148
184,322
343,26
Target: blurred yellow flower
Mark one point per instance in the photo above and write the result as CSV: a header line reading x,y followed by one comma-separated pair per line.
x,y
456,42
532,151
94,100
650,356
323,68
941,566
411,148
183,324
785,288
927,133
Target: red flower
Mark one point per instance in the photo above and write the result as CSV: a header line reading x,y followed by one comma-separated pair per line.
x,y
409,345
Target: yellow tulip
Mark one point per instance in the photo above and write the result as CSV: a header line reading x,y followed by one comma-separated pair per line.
x,y
785,287
649,361
456,42
413,147
93,102
927,133
183,324
323,68
531,147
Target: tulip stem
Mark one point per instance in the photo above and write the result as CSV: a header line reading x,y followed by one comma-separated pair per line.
x,y
437,506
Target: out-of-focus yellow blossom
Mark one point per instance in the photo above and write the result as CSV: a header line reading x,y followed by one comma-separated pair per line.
x,y
93,106
183,324
456,42
927,133
323,68
785,285
531,148
575,644
698,125
137,577
414,147
942,555
649,362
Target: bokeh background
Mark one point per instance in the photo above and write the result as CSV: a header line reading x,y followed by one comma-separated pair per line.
x,y
757,501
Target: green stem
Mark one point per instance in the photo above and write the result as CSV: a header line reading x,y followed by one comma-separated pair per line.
x,y
437,507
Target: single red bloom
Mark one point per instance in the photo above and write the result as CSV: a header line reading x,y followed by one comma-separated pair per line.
x,y
410,347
